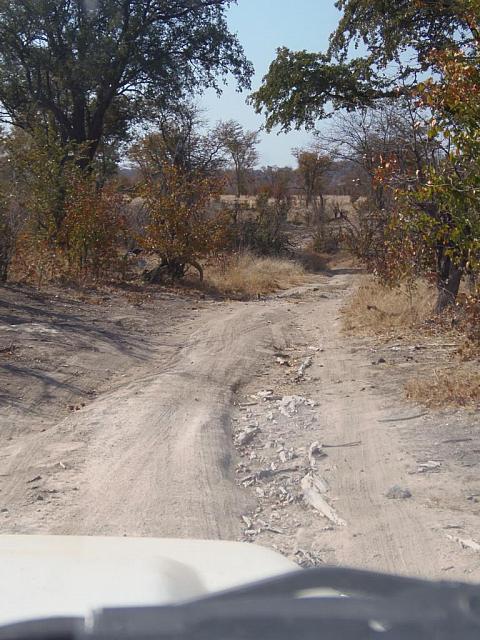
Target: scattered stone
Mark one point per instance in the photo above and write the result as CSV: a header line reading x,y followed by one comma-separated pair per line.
x,y
289,405
306,559
36,479
306,364
263,474
431,465
312,495
246,436
397,493
286,455
315,452
465,543
263,394
265,526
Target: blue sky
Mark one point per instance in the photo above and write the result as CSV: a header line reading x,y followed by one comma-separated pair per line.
x,y
262,26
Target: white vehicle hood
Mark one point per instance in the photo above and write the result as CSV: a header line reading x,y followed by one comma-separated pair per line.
x,y
57,576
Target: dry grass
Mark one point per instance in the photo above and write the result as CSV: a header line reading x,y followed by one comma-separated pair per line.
x,y
457,385
375,309
246,275
313,261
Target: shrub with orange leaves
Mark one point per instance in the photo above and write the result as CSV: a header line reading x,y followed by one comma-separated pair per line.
x,y
182,228
86,246
92,228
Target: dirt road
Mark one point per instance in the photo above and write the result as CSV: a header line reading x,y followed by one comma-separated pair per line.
x,y
154,455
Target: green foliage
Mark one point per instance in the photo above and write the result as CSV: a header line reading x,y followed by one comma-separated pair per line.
x,y
70,224
388,27
42,168
454,186
302,87
427,194
93,69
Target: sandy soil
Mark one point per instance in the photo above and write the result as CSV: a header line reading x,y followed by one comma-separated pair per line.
x,y
120,418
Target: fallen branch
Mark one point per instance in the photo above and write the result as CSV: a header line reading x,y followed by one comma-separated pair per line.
x,y
404,418
338,446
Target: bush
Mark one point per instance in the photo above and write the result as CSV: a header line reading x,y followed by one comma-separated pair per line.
x,y
468,307
92,228
10,224
86,246
181,229
264,233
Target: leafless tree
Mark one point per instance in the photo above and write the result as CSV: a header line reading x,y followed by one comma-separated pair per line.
x,y
241,148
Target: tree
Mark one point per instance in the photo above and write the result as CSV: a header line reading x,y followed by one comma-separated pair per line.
x,y
392,131
301,87
94,69
446,209
11,220
180,140
43,168
313,164
240,145
276,182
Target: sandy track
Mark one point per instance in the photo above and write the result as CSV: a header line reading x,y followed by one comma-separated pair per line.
x,y
153,457
372,440
382,534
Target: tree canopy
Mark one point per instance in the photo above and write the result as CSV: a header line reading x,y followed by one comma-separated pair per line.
x,y
241,147
396,38
92,69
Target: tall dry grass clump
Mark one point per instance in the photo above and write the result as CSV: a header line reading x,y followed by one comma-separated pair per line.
x,y
374,308
247,275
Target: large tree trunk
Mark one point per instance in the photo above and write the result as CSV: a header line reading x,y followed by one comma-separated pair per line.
x,y
448,288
